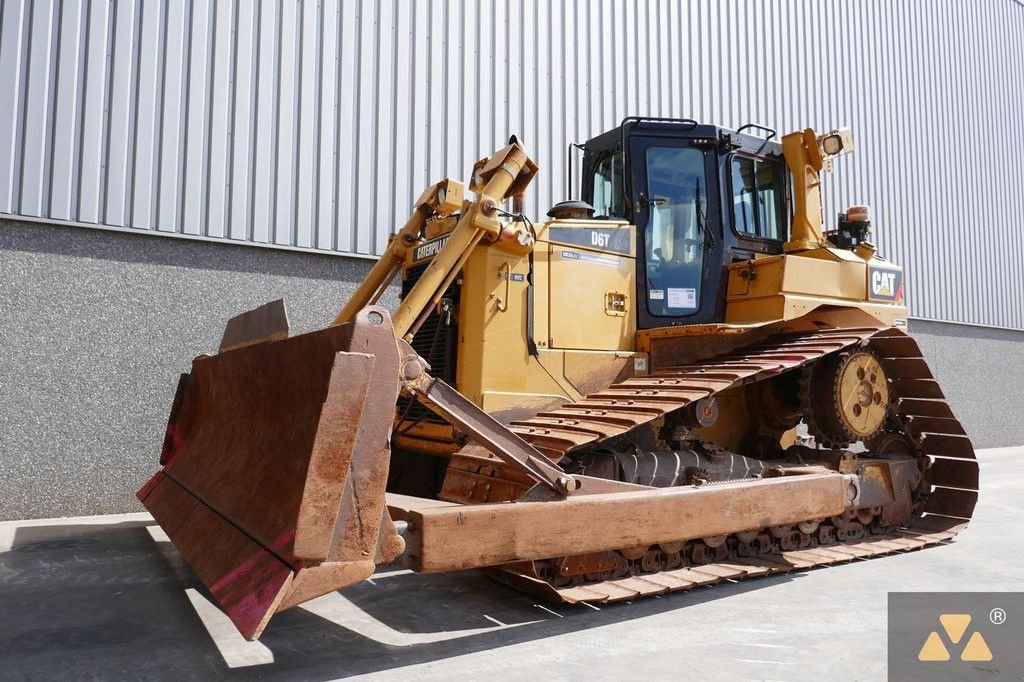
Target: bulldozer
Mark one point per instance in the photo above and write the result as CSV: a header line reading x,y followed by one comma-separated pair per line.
x,y
681,378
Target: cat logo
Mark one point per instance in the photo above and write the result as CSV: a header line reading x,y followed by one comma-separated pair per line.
x,y
885,284
882,283
954,625
429,249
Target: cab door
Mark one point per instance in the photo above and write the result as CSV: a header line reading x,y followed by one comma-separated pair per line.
x,y
674,203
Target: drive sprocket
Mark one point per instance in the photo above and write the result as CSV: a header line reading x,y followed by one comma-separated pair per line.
x,y
846,397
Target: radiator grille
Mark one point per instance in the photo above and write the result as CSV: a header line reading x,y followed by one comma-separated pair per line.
x,y
436,342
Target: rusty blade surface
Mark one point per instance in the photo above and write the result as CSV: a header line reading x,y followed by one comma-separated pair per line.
x,y
276,464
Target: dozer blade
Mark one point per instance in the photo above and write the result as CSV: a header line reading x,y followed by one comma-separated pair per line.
x,y
276,461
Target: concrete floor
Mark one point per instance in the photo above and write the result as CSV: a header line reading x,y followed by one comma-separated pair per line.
x,y
108,597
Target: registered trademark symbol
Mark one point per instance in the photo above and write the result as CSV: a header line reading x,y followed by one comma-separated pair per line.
x,y
997,616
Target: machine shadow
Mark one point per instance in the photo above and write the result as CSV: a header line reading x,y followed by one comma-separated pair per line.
x,y
104,600
81,601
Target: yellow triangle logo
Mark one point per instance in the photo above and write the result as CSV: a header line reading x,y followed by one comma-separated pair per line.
x,y
955,625
976,649
933,649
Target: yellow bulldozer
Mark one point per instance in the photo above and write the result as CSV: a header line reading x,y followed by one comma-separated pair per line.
x,y
680,378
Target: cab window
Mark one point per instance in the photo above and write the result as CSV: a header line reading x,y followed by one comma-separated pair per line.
x,y
607,192
758,193
676,229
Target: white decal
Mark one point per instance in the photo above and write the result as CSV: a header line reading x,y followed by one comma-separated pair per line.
x,y
883,283
592,258
599,239
657,295
682,298
430,249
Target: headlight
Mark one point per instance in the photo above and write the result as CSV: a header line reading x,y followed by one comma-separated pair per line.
x,y
835,142
832,145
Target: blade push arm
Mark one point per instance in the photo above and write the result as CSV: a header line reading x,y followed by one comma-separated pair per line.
x,y
495,437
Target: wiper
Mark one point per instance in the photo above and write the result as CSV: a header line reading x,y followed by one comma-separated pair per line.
x,y
698,206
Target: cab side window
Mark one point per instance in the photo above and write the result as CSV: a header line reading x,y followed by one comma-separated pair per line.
x,y
758,194
607,193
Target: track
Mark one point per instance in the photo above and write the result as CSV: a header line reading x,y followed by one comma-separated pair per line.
x,y
942,508
733,567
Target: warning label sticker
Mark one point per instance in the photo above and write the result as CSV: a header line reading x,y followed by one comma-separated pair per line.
x,y
657,295
682,298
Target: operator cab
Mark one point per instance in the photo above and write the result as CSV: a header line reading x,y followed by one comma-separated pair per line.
x,y
701,197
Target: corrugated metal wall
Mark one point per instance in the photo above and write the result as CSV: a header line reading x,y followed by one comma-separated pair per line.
x,y
314,125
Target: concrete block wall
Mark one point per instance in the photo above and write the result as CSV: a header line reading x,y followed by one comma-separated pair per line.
x,y
97,326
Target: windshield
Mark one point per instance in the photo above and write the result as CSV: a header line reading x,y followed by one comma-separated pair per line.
x,y
675,231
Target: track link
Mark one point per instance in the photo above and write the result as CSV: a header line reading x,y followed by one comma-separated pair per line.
x,y
733,567
631,403
919,413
